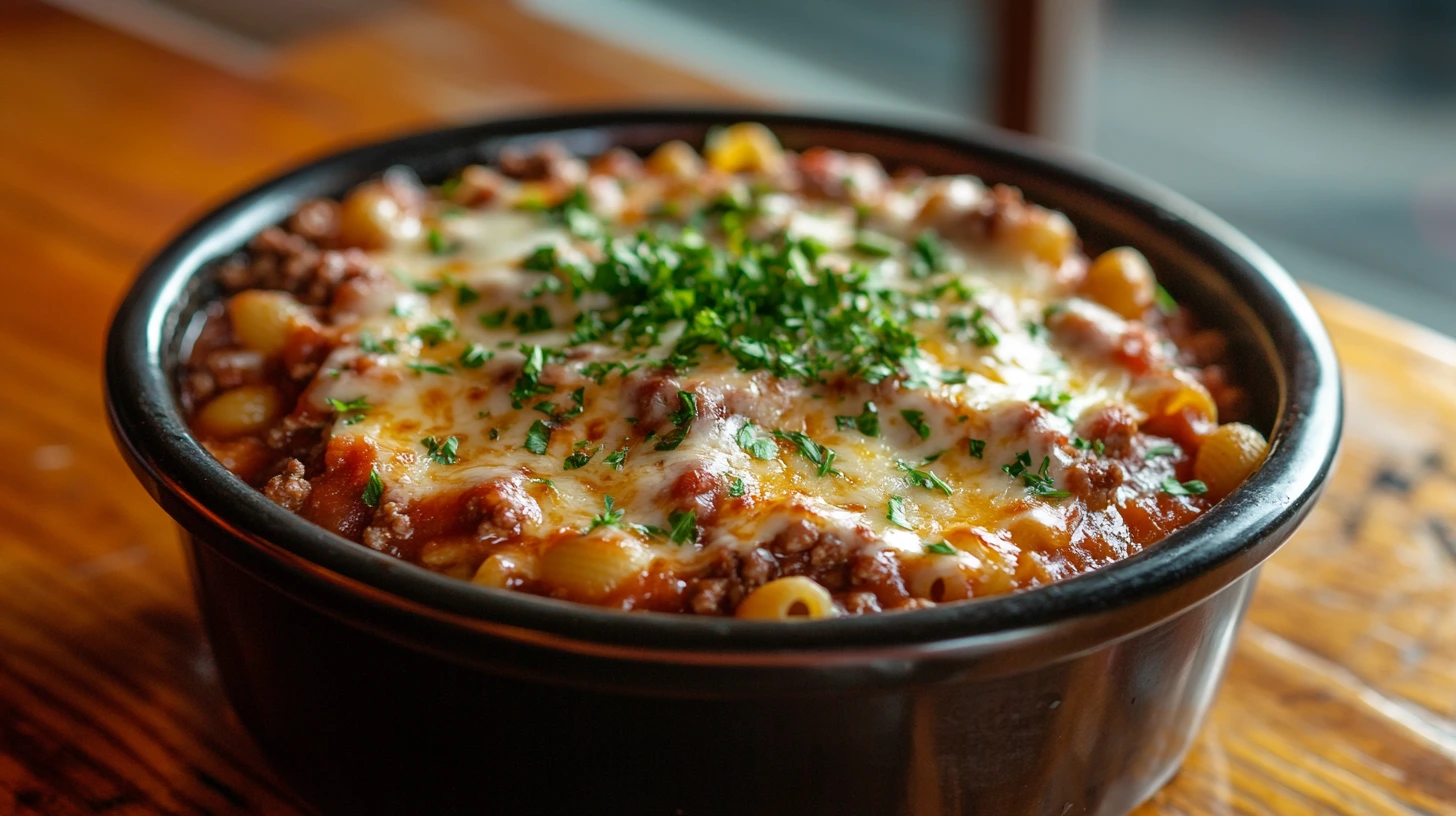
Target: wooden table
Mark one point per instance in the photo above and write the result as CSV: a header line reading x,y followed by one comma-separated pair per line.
x,y
1341,698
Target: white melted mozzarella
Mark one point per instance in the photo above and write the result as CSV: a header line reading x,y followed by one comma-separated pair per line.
x,y
418,386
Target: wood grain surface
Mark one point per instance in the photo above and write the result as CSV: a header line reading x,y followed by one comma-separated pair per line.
x,y
1341,698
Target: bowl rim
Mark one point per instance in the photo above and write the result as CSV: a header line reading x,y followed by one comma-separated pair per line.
x,y
1201,558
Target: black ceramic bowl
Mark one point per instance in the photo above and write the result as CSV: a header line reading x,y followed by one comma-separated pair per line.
x,y
375,686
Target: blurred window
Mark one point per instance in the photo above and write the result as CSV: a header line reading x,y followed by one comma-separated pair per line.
x,y
1325,129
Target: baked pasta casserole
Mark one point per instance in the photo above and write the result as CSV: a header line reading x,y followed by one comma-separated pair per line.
x,y
746,381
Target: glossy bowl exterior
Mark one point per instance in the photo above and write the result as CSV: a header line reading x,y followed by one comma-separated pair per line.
x,y
375,686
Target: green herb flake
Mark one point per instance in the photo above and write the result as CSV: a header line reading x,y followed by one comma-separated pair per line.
x,y
1054,401
937,548
896,513
435,332
615,459
438,244
687,408
916,420
978,448
758,446
581,457
369,345
874,244
1037,483
684,526
1161,450
442,453
475,356
611,517
928,255
529,384
682,420
735,486
538,319
925,479
427,368
578,400
867,423
1194,487
373,489
538,437
1164,301
349,406
816,453
541,481
496,319
972,328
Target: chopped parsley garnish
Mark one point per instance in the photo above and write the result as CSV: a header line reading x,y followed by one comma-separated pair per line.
x,y
972,328
347,406
1039,483
547,482
896,514
578,400
1054,401
1194,487
937,548
615,459
687,408
1164,301
545,407
538,319
587,327
684,526
529,383
1161,450
464,295
682,419
442,453
547,285
435,332
978,448
538,437
598,372
352,411
427,368
769,304
875,244
758,446
925,479
612,517
813,451
475,356
438,244
401,309
496,319
867,423
916,420
928,255
575,213
373,489
735,486
581,457
369,345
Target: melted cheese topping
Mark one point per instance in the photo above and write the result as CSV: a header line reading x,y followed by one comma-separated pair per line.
x,y
934,471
